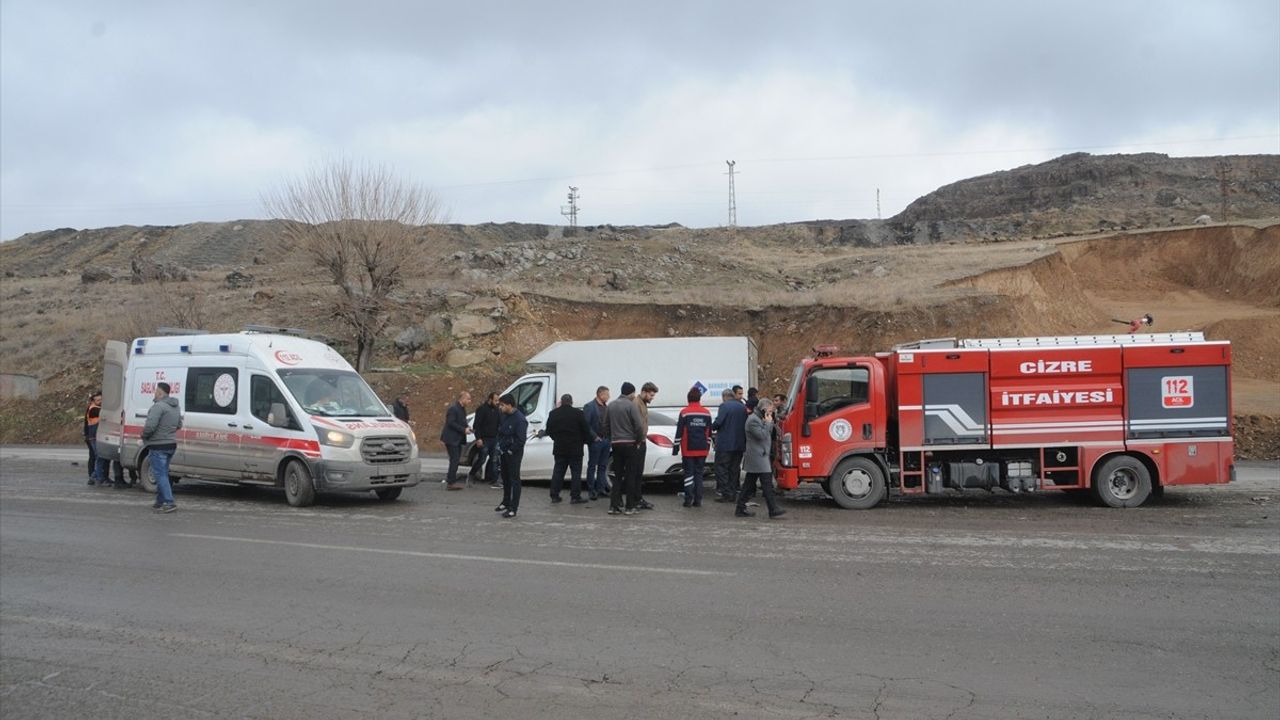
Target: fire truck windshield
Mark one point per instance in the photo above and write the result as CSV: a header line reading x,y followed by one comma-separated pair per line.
x,y
796,379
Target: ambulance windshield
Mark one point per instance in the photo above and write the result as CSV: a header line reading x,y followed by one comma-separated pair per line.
x,y
333,393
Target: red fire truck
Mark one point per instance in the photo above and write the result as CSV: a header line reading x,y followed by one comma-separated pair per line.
x,y
1123,415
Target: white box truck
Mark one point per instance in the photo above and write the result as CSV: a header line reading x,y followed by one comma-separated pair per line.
x,y
258,408
675,365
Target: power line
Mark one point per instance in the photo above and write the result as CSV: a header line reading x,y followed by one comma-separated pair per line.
x,y
571,210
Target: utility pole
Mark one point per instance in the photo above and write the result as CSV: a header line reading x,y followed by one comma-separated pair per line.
x,y
877,203
571,210
733,200
1224,182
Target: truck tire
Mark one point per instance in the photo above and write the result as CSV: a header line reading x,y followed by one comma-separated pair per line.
x,y
298,488
1122,482
858,484
146,481
388,494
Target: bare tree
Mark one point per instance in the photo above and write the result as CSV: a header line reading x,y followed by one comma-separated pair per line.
x,y
363,226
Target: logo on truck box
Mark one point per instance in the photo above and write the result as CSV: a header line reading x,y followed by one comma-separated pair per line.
x,y
1177,391
1057,397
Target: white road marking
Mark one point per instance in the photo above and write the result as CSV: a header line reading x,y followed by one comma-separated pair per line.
x,y
455,556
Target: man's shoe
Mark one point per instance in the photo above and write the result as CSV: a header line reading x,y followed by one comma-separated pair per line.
x,y
92,482
501,508
688,503
577,501
508,514
120,486
644,505
169,508
697,503
495,486
156,506
593,496
777,513
453,486
723,499
555,499
744,513
630,511
615,511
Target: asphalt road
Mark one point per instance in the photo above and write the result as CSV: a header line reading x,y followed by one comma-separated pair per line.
x,y
983,606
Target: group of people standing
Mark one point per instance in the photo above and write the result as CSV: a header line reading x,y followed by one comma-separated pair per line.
x,y
742,434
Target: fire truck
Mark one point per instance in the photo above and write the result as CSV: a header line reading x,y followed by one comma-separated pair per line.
x,y
1123,416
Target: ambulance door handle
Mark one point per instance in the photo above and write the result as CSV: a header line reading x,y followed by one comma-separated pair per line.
x,y
232,425
247,427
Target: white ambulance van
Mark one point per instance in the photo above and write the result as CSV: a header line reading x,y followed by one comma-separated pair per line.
x,y
258,408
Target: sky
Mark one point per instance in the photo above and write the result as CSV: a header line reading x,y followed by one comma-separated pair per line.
x,y
161,113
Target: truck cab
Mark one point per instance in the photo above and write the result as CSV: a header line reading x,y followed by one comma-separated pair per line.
x,y
836,411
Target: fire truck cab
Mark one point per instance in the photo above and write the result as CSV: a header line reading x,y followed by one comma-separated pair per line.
x,y
1122,415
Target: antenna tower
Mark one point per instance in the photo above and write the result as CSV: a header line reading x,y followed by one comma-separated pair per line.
x,y
571,210
733,198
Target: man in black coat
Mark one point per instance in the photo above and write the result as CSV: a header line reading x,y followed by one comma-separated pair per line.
x,y
570,433
485,426
454,434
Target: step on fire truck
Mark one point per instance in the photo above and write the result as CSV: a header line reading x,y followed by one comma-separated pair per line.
x,y
1122,415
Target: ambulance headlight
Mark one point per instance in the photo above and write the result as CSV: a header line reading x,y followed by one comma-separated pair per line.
x,y
336,438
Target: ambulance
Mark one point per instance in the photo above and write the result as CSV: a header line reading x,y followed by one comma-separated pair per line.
x,y
259,407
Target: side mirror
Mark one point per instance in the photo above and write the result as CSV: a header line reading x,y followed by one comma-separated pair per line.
x,y
279,416
810,411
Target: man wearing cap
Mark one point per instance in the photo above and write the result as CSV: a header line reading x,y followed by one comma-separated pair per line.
x,y
569,431
624,427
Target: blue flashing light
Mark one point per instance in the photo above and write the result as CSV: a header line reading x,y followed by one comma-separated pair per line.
x,y
137,350
184,348
224,348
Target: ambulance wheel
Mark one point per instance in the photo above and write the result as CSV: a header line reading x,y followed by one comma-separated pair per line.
x,y
146,481
857,484
1122,482
298,489
388,494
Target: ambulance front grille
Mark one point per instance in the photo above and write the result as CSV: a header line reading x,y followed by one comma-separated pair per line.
x,y
386,449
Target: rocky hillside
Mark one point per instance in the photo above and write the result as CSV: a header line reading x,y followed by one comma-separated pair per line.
x,y
1072,195
1083,193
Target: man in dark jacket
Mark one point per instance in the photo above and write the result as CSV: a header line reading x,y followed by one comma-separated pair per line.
x,y
625,428
569,431
400,408
485,426
453,435
730,428
598,457
512,433
92,414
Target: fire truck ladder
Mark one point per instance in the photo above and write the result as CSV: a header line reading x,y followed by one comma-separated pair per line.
x,y
1057,341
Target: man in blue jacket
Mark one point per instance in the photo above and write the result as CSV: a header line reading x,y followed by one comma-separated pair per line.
x,y
598,450
730,428
512,433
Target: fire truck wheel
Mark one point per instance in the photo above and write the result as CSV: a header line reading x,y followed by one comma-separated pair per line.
x,y
146,481
388,494
857,484
298,489
1122,482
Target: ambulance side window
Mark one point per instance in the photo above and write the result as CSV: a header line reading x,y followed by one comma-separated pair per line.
x,y
263,394
212,390
830,389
